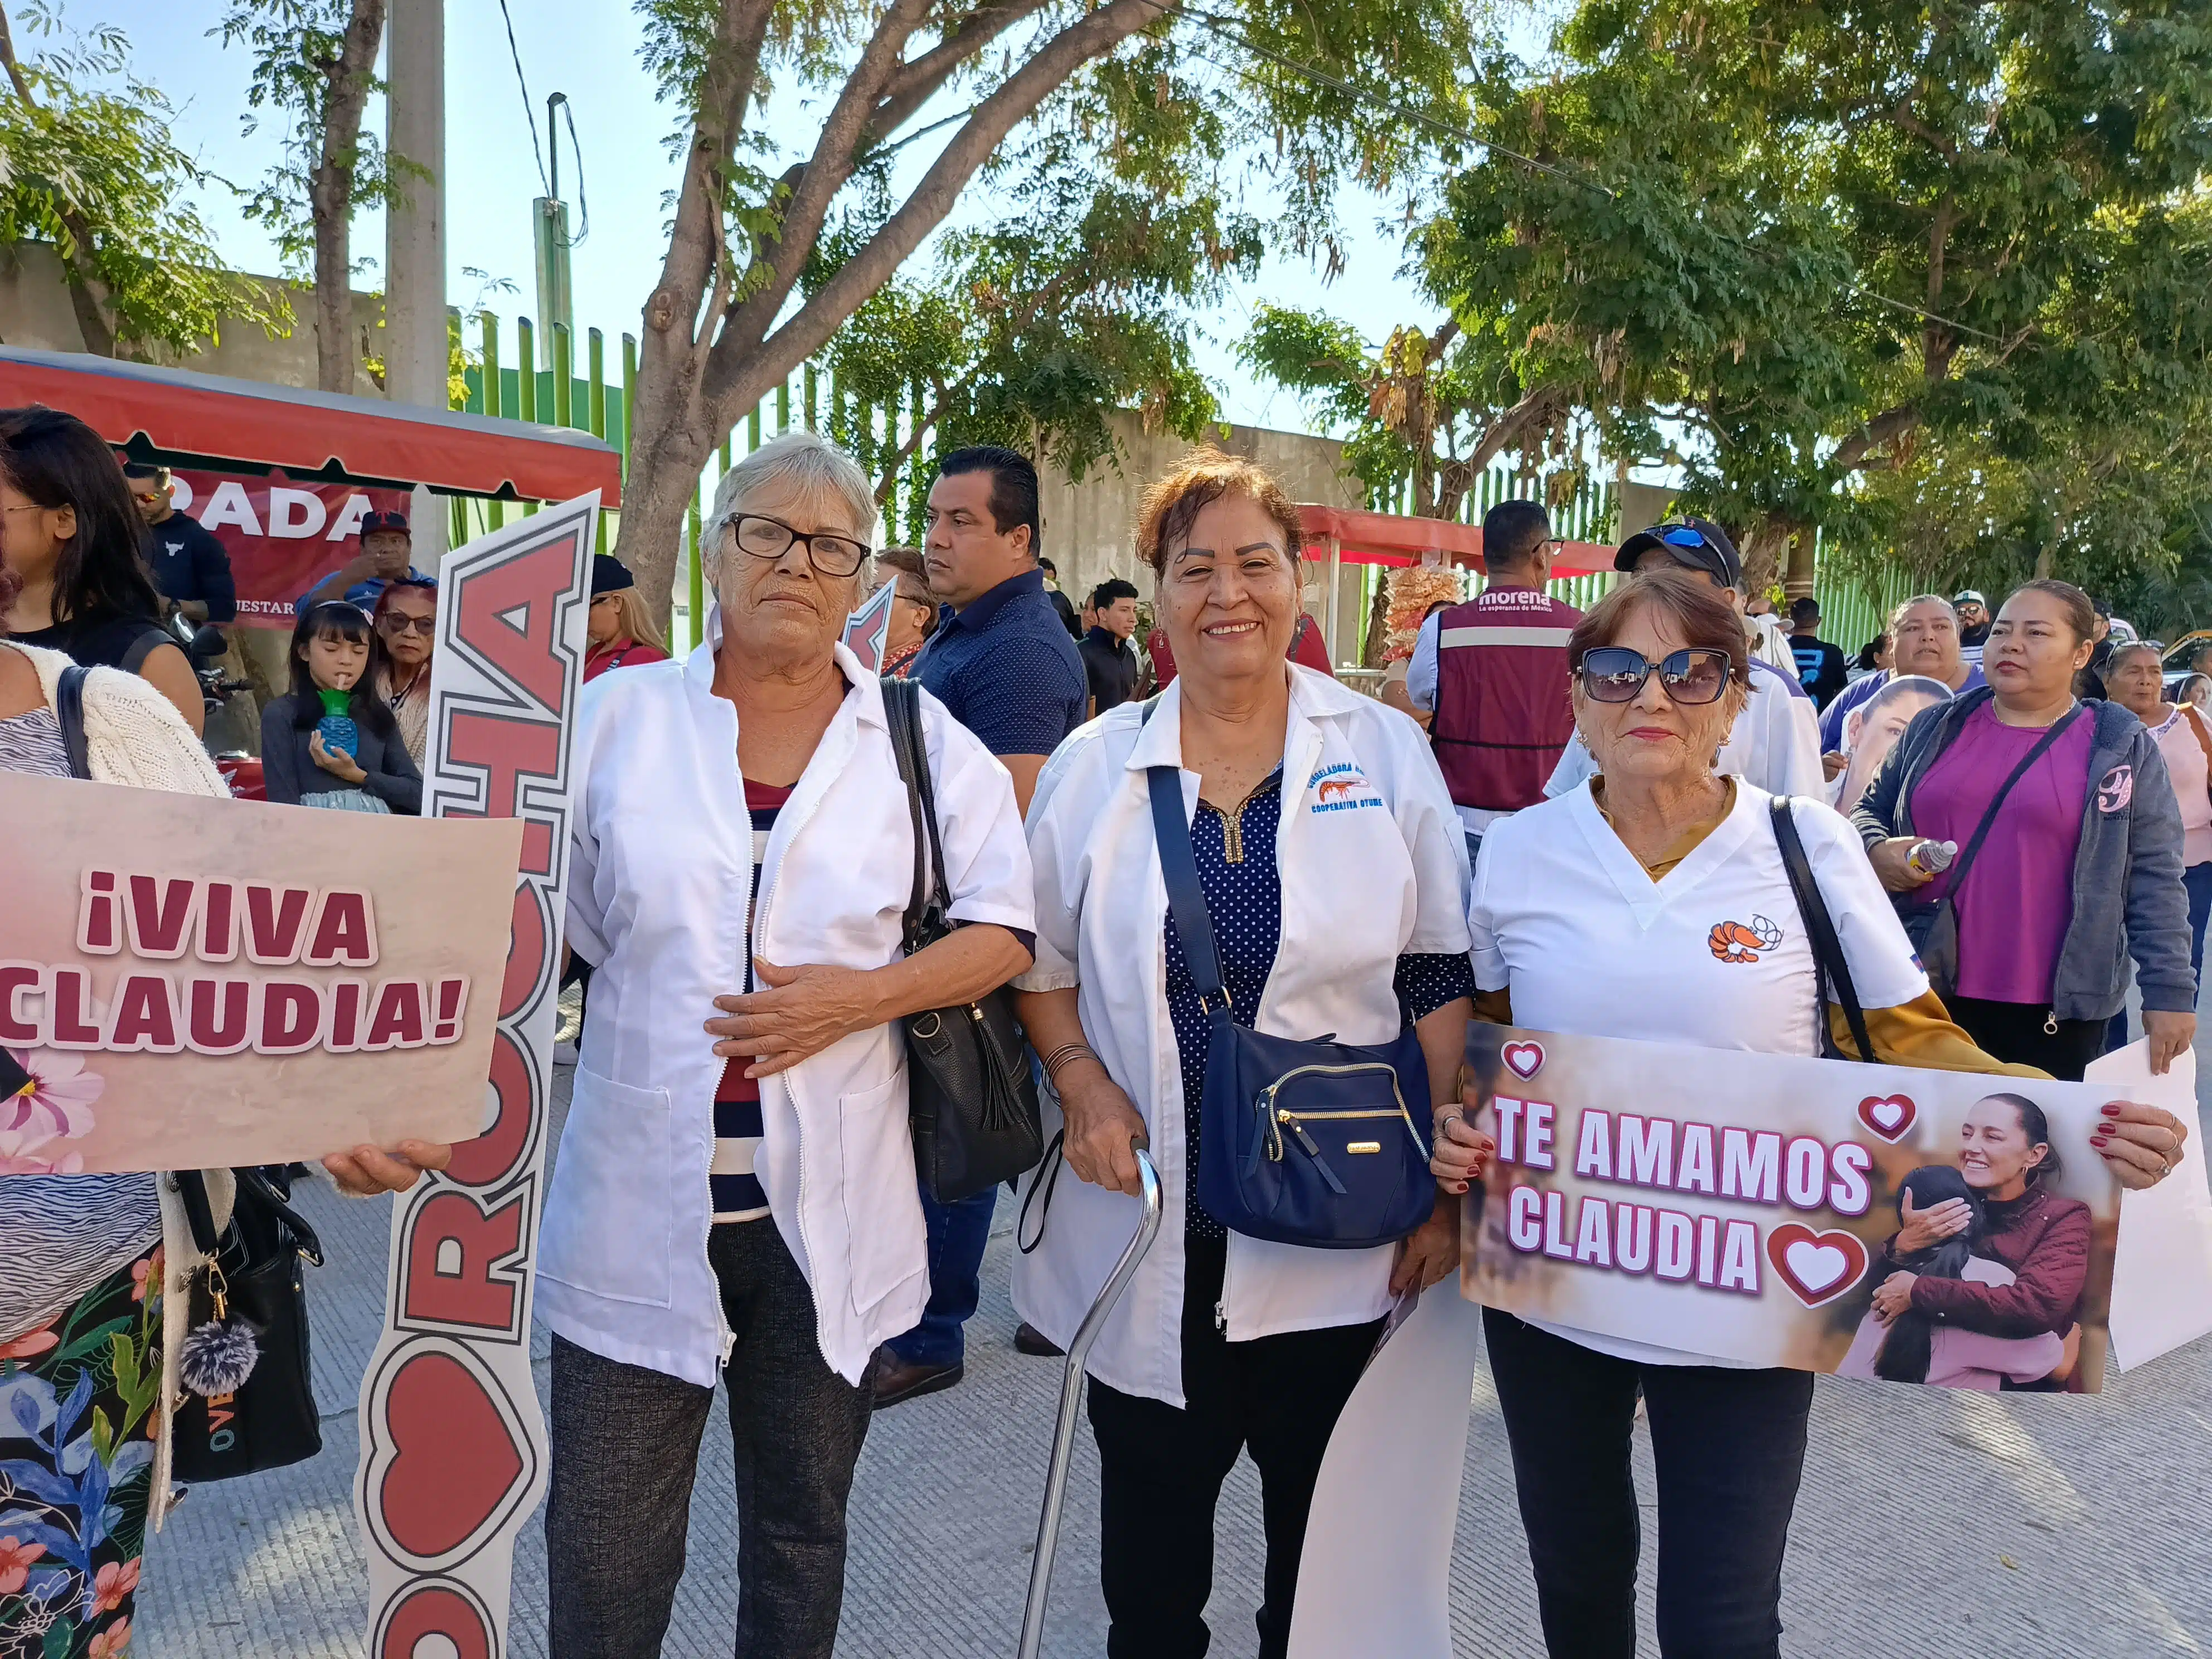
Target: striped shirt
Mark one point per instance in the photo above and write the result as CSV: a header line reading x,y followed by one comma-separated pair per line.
x,y
736,1190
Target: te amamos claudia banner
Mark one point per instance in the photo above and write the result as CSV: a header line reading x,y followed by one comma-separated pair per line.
x,y
1749,1208
194,982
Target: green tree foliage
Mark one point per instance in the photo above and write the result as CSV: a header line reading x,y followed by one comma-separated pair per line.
x,y
87,165
313,64
1175,120
1071,298
1933,276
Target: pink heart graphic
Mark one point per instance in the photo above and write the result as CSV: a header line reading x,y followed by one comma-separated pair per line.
x,y
1527,1058
1818,1268
1888,1115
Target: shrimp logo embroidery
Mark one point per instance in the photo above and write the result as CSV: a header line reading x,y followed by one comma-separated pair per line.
x,y
1732,941
1342,787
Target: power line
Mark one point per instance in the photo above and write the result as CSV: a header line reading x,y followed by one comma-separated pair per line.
x,y
529,109
1230,30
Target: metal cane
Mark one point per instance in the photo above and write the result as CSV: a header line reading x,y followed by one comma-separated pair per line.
x,y
1070,1399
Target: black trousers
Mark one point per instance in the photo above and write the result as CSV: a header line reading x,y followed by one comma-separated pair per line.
x,y
1730,1447
1161,1469
2013,1032
626,1450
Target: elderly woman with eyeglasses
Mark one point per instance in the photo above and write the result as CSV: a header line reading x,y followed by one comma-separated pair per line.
x,y
1594,914
735,1195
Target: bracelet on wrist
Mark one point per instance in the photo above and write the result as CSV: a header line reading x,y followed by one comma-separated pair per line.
x,y
1062,1057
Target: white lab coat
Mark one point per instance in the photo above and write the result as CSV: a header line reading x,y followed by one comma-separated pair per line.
x,y
659,881
1374,869
1774,745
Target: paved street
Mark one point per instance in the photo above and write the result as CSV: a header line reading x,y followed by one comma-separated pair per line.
x,y
1944,1525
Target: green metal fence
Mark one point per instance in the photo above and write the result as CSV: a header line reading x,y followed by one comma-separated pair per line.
x,y
590,402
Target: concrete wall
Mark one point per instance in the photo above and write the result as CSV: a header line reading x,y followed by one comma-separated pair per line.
x,y
1089,528
35,313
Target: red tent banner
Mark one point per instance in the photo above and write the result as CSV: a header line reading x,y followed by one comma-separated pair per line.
x,y
282,536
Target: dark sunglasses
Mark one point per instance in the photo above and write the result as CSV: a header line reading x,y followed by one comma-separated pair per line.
x,y
1614,674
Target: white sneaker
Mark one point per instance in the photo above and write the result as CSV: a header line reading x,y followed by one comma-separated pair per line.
x,y
564,1054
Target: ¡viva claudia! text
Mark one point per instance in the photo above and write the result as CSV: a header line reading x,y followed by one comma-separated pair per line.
x,y
200,1009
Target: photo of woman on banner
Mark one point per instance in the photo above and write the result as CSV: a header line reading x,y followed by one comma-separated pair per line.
x,y
1654,902
2006,1161
1910,1346
1871,731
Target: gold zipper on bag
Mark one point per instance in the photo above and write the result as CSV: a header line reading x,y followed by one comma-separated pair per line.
x,y
1277,1118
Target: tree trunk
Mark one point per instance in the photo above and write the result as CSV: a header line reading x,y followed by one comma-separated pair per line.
x,y
330,192
708,355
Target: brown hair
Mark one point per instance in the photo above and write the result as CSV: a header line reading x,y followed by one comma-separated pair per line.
x,y
905,561
1707,620
1173,501
2080,614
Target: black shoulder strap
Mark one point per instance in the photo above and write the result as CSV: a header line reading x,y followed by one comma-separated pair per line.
x,y
148,640
69,710
1966,859
902,713
1186,898
1832,973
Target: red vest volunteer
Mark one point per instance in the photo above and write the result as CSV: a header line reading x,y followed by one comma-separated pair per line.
x,y
1494,673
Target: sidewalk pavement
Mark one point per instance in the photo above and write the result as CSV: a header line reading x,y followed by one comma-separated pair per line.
x,y
1942,1524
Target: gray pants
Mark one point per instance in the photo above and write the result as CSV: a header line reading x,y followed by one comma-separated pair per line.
x,y
626,1451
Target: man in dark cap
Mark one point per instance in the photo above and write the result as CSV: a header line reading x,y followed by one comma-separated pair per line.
x,y
387,544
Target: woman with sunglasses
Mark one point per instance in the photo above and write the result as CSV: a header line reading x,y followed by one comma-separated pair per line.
x,y
406,616
735,1197
1652,903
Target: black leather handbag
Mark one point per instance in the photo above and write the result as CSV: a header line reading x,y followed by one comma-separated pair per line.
x,y
248,1402
971,1099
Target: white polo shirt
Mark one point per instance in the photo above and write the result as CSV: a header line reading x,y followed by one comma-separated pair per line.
x,y
1565,918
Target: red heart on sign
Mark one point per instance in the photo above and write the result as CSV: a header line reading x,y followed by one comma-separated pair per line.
x,y
1527,1058
454,1459
1818,1268
1888,1115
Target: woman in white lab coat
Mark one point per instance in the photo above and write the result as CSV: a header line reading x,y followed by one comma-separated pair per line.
x,y
735,1194
1334,867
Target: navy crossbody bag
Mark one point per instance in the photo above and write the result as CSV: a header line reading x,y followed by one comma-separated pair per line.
x,y
1316,1142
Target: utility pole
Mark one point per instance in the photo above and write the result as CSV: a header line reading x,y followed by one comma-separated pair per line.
x,y
549,232
415,348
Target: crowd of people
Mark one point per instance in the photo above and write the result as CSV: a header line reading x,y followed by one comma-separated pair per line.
x,y
1557,804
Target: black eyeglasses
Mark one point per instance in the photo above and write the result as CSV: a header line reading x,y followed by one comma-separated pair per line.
x,y
771,538
1614,674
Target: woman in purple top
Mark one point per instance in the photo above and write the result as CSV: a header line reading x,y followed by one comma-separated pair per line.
x,y
2082,864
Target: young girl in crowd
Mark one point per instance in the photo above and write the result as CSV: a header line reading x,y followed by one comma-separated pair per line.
x,y
331,741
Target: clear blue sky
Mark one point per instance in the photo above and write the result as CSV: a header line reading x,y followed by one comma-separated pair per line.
x,y
588,49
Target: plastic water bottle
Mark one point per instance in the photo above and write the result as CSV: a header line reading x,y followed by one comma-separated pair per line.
x,y
1931,857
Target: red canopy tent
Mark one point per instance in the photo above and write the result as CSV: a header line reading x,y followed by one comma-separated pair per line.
x,y
176,418
1337,536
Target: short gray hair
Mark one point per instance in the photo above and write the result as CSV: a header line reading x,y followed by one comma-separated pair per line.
x,y
806,463
1897,616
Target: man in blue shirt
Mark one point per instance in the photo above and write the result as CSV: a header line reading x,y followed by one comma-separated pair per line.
x,y
1002,662
386,547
